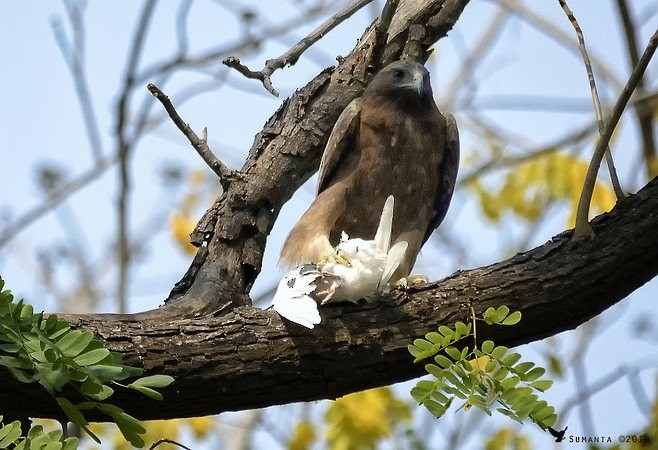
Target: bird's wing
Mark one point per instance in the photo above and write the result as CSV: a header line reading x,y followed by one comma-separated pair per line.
x,y
447,174
383,234
292,299
341,139
393,259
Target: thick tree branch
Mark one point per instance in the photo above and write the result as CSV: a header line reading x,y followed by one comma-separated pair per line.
x,y
251,358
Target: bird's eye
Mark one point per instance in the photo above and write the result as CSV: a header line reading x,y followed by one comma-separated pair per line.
x,y
398,74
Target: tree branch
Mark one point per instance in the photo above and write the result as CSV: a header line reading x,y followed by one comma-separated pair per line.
x,y
619,192
200,144
250,358
291,56
583,230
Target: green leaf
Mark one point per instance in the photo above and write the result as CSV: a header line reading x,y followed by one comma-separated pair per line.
x,y
443,361
71,411
455,354
9,348
16,362
446,331
415,351
489,316
131,429
74,342
10,433
511,359
152,393
487,347
509,383
71,443
501,312
434,337
434,370
92,357
422,344
436,408
534,374
499,352
523,367
104,373
154,381
512,319
500,373
543,413
542,385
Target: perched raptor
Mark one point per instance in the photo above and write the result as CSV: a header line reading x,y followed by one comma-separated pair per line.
x,y
391,141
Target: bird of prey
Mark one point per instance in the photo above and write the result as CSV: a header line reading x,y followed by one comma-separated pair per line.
x,y
391,141
371,265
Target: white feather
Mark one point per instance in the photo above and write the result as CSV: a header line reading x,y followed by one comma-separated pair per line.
x,y
393,260
383,234
293,300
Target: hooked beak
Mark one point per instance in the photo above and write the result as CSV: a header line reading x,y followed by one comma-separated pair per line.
x,y
419,82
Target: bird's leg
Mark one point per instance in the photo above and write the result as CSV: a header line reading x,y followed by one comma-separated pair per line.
x,y
410,281
334,258
326,288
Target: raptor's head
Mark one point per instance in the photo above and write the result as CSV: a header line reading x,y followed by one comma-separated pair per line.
x,y
402,78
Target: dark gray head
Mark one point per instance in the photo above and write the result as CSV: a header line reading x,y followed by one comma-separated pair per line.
x,y
402,78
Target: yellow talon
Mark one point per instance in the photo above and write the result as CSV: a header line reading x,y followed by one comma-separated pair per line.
x,y
410,281
334,258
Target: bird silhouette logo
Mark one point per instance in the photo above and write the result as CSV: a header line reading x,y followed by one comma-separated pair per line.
x,y
558,435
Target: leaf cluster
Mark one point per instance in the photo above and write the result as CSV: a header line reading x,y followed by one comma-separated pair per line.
x,y
76,369
484,376
36,439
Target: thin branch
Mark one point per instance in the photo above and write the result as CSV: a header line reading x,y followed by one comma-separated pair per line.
x,y
583,229
168,441
545,26
124,148
474,58
181,60
291,56
74,61
54,198
644,111
595,97
200,144
507,161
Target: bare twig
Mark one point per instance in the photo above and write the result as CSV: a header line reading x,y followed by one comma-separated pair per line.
x,y
595,96
644,111
168,441
291,56
545,26
74,57
583,229
182,60
474,58
507,161
200,144
124,151
54,198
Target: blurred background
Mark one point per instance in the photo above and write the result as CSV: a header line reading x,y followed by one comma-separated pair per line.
x,y
99,190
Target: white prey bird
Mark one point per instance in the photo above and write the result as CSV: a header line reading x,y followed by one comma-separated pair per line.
x,y
357,269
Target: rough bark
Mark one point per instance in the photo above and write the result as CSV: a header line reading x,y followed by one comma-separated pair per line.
x,y
251,358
